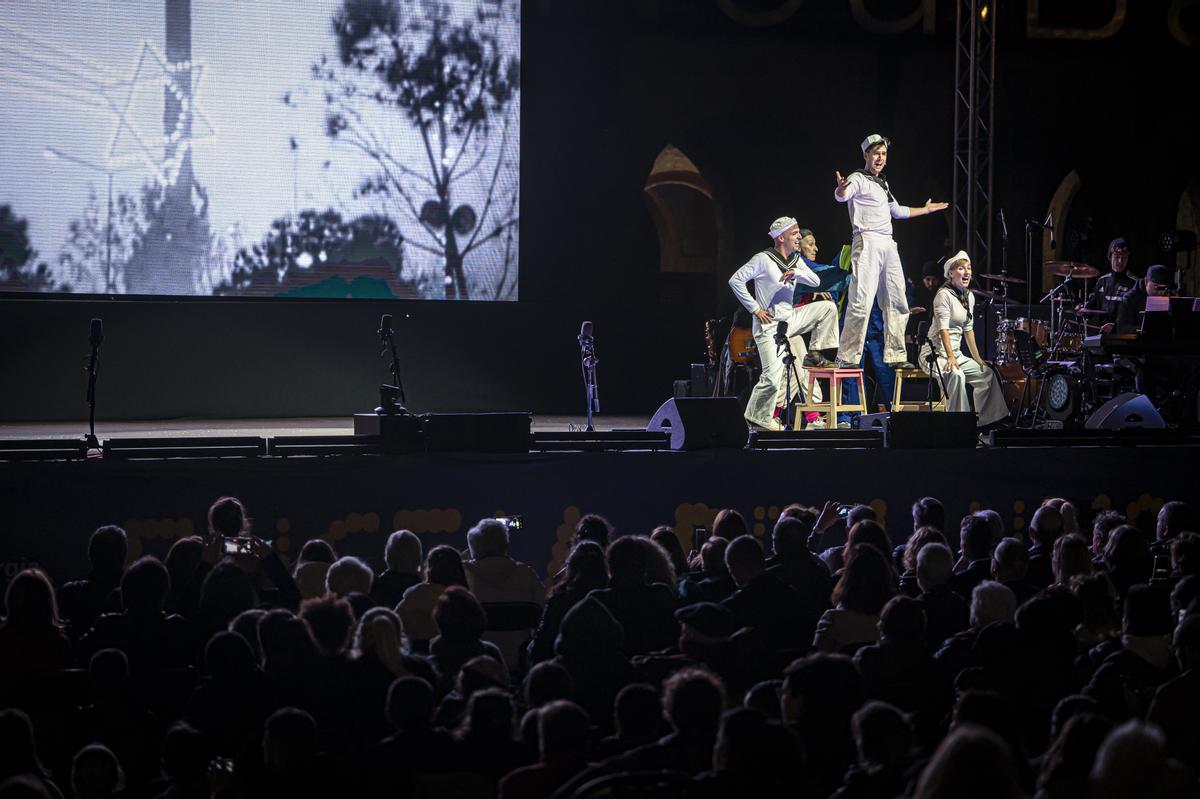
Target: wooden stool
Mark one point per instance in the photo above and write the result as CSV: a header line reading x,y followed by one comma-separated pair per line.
x,y
898,403
833,404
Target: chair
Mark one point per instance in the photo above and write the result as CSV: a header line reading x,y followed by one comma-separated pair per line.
x,y
512,616
509,617
898,403
832,405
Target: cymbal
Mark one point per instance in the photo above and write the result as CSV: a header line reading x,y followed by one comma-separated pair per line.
x,y
1070,269
988,295
1002,278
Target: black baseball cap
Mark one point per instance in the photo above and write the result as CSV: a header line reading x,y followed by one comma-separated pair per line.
x,y
1160,274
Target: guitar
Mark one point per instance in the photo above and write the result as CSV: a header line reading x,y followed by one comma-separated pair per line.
x,y
742,348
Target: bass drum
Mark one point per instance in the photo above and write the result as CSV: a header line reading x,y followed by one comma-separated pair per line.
x,y
1012,384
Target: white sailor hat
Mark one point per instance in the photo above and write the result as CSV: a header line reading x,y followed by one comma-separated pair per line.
x,y
780,225
961,255
874,139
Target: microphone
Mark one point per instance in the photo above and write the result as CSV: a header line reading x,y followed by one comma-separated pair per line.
x,y
385,327
585,335
1049,225
97,336
781,332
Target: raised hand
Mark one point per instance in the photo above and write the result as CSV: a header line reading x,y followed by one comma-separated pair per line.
x,y
841,182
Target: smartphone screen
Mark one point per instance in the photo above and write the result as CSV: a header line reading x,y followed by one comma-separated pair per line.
x,y
237,546
700,535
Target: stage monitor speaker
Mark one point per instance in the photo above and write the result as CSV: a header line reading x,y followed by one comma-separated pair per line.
x,y
1124,412
701,422
924,429
477,432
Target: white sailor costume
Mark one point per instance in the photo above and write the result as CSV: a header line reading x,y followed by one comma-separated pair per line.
x,y
949,314
878,274
820,318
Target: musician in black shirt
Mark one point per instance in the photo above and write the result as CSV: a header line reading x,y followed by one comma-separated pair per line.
x,y
1110,287
1158,282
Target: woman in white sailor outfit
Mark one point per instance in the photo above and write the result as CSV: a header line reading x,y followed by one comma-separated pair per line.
x,y
953,312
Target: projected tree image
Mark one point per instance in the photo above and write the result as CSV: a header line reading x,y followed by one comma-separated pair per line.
x,y
330,148
17,256
447,79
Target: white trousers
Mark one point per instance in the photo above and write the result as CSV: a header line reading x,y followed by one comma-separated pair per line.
x,y
819,318
989,397
878,277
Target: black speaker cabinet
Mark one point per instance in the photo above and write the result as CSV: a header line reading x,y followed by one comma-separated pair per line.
x,y
1124,412
701,422
477,432
924,429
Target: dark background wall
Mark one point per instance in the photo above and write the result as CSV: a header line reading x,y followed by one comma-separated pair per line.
x,y
765,112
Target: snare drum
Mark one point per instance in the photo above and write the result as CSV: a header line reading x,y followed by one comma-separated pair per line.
x,y
1071,344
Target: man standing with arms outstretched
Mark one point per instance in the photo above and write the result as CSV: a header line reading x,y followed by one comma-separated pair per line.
x,y
775,272
875,261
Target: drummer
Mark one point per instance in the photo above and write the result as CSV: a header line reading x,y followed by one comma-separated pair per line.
x,y
1110,287
953,314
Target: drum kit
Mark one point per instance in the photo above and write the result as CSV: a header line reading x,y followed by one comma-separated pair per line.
x,y
1040,364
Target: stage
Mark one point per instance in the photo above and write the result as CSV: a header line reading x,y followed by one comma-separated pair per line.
x,y
356,499
267,427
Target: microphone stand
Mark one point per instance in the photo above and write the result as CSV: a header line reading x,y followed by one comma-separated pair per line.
x,y
931,361
1029,225
90,441
789,369
389,392
587,348
989,336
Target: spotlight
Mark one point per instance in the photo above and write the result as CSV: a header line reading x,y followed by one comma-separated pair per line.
x,y
1177,241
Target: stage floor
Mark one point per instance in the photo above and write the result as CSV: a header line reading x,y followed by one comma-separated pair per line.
x,y
301,426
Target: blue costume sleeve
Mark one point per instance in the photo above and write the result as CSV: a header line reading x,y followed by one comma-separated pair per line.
x,y
833,280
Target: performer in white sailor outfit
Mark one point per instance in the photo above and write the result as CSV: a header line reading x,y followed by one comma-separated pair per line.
x,y
775,273
875,261
952,314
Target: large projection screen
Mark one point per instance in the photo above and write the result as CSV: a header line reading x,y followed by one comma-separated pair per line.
x,y
274,148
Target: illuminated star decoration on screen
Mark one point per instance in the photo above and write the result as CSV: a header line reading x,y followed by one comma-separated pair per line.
x,y
45,71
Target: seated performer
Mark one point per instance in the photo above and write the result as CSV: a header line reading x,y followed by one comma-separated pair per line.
x,y
1158,282
953,314
834,285
1110,287
774,272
